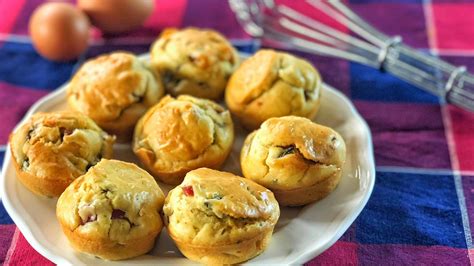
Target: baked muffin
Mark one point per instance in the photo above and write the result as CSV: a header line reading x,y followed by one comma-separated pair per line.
x,y
115,90
273,84
300,161
219,218
112,211
194,61
50,150
179,135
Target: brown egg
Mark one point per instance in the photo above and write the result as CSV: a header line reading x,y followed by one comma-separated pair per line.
x,y
59,31
115,16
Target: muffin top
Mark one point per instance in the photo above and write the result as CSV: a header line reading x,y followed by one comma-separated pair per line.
x,y
213,207
194,61
291,152
273,84
114,200
112,87
182,134
59,146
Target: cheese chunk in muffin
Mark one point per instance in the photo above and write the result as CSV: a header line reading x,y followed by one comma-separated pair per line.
x,y
218,218
112,212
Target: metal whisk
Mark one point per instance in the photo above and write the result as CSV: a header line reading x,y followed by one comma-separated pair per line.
x,y
284,27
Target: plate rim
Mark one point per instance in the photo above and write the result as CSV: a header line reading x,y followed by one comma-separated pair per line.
x,y
313,253
303,258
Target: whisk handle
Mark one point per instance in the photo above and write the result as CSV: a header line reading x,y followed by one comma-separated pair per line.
x,y
451,83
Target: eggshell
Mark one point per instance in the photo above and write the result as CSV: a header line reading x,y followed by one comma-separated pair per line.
x,y
115,16
59,31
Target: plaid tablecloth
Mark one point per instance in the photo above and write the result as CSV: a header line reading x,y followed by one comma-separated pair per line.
x,y
422,207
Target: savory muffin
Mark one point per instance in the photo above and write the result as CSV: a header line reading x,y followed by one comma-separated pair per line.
x,y
179,135
50,150
194,61
219,218
112,211
115,90
273,84
300,161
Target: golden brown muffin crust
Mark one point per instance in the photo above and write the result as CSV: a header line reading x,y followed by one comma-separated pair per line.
x,y
115,204
273,84
182,134
194,61
220,214
114,90
289,153
52,149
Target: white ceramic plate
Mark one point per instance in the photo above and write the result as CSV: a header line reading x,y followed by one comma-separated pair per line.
x,y
301,233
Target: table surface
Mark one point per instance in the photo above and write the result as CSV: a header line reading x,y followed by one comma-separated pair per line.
x,y
422,207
